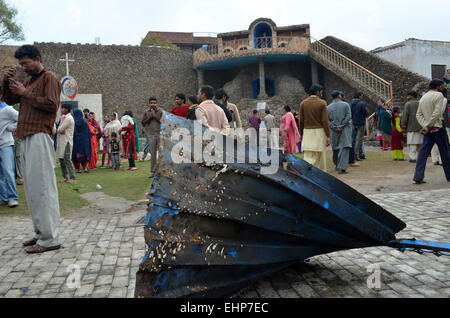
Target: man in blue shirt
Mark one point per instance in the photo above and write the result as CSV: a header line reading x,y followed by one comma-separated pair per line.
x,y
359,116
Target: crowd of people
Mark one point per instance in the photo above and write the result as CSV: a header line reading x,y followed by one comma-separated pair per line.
x,y
76,138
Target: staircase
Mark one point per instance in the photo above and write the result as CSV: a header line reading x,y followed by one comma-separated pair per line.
x,y
369,83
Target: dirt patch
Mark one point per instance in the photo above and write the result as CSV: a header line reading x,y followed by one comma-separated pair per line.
x,y
377,176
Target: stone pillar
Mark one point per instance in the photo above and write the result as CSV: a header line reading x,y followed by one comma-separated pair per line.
x,y
200,77
262,80
314,72
219,46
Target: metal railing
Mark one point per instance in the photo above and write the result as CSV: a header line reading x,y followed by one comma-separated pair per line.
x,y
263,42
213,49
356,72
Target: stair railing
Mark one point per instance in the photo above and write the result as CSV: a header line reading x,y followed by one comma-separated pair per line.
x,y
356,72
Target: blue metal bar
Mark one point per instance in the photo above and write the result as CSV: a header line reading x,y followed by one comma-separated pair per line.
x,y
419,246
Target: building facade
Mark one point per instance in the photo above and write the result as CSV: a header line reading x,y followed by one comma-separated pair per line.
x,y
427,58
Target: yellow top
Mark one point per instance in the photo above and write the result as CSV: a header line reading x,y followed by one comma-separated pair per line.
x,y
397,125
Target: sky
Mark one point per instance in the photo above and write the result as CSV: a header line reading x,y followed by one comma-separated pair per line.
x,y
364,23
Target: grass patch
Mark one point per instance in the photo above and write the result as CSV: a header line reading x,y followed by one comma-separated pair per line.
x,y
132,186
375,160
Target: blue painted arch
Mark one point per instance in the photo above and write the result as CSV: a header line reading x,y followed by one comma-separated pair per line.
x,y
262,29
270,87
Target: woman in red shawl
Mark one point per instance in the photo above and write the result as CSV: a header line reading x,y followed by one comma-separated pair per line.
x,y
129,140
94,144
289,131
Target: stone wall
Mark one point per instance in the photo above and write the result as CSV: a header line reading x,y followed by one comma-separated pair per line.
x,y
403,80
290,79
125,76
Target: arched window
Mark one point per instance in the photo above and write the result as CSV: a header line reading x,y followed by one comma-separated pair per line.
x,y
262,36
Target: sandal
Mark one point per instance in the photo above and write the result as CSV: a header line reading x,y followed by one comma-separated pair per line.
x,y
37,249
419,182
30,242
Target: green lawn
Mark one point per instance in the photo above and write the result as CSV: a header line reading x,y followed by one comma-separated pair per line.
x,y
132,186
375,160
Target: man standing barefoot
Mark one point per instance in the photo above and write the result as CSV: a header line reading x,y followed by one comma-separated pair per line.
x,y
39,98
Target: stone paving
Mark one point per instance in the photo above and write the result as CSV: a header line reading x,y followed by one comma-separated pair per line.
x,y
107,245
345,274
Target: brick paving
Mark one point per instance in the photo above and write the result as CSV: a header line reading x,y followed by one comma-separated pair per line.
x,y
107,246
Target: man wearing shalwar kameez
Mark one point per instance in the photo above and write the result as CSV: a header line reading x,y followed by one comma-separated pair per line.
x,y
314,128
412,127
340,118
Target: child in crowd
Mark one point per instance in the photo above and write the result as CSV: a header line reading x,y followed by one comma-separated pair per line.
x,y
397,135
115,149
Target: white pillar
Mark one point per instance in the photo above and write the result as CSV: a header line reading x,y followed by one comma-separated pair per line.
x,y
262,80
200,77
314,72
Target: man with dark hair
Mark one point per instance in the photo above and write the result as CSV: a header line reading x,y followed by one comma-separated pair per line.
x,y
39,99
8,124
152,130
208,113
359,116
430,118
65,143
181,109
270,123
340,118
314,128
412,126
221,98
86,113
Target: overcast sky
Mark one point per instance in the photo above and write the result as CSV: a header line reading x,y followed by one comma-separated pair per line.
x,y
364,23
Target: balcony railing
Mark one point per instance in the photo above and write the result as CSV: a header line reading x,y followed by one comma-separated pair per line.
x,y
235,44
263,42
242,47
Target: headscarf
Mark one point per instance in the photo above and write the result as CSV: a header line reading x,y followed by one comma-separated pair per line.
x,y
126,120
113,126
81,136
136,133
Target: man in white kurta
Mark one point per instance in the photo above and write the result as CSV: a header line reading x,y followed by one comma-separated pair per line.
x,y
65,144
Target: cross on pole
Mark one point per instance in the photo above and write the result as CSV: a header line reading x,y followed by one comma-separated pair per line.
x,y
67,63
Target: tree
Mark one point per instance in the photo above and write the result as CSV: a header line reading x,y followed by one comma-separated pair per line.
x,y
10,29
155,40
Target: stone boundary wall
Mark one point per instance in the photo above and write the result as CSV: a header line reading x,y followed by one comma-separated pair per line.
x,y
402,79
126,76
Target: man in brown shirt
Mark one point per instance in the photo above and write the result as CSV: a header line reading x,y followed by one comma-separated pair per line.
x,y
314,128
152,130
39,98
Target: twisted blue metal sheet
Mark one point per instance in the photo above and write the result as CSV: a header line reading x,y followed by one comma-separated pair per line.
x,y
212,230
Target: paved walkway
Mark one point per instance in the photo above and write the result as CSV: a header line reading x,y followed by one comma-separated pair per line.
x,y
107,245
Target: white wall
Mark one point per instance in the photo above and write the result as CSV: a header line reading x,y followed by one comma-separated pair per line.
x,y
418,55
91,101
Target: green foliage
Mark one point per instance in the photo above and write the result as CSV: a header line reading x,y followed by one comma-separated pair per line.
x,y
10,29
155,40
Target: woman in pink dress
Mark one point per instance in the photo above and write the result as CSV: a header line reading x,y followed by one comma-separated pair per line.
x,y
289,131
